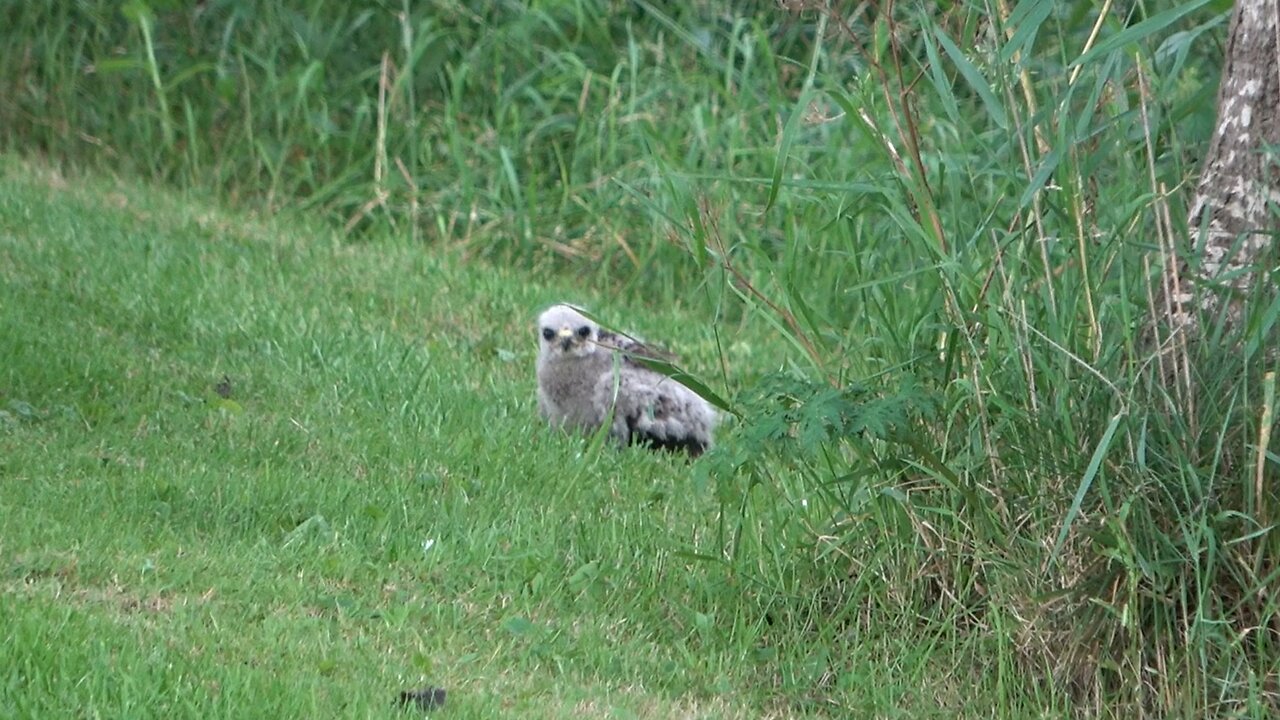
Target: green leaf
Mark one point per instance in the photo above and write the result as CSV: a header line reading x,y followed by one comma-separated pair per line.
x,y
975,79
584,574
1027,17
136,11
689,381
519,626
1090,473
226,405
1139,31
784,145
116,65
1047,166
942,85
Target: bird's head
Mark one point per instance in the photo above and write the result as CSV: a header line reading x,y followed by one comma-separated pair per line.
x,y
565,332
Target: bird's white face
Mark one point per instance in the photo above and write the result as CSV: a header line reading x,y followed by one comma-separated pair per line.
x,y
564,332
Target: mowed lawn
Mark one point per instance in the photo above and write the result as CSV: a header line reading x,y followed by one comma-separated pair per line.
x,y
249,469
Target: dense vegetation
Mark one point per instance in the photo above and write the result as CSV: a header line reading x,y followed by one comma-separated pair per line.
x,y
957,435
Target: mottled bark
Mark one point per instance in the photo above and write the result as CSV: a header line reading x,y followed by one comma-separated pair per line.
x,y
1234,216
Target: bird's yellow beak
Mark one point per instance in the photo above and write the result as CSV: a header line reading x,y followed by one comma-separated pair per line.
x,y
565,332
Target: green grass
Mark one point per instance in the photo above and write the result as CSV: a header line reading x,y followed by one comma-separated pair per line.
x,y
267,548
165,551
915,248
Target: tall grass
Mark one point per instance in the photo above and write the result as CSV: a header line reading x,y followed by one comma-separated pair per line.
x,y
951,216
524,127
998,440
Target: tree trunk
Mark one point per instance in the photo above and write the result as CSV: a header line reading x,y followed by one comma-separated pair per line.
x,y
1236,211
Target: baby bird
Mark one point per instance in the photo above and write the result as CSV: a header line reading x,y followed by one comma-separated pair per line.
x,y
588,376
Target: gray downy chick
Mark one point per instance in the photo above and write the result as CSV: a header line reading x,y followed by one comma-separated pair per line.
x,y
588,376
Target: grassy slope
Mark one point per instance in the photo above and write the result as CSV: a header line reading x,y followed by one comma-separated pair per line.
x,y
1077,507
165,552
270,551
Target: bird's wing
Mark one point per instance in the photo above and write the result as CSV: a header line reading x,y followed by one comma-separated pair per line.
x,y
632,348
654,410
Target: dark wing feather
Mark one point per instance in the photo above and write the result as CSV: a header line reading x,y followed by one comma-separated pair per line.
x,y
657,412
641,435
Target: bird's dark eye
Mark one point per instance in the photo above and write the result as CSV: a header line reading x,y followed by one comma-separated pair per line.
x,y
584,331
548,333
